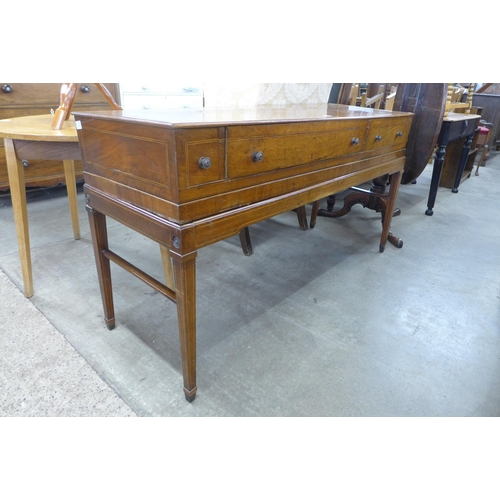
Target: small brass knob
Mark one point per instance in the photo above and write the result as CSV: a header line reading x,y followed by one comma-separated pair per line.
x,y
204,162
355,141
85,89
25,163
7,88
399,134
258,157
378,138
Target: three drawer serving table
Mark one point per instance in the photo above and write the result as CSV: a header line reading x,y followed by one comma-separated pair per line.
x,y
190,178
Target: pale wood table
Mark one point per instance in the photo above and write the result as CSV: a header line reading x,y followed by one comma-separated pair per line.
x,y
32,138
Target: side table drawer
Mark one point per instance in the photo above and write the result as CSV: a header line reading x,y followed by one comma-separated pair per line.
x,y
39,173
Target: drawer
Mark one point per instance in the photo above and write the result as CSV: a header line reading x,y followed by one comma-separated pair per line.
x,y
254,150
32,94
88,93
384,133
39,173
161,102
200,156
162,88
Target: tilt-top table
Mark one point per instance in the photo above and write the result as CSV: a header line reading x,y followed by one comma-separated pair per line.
x,y
190,178
32,138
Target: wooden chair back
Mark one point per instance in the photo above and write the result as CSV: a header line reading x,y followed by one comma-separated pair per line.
x,y
68,94
454,99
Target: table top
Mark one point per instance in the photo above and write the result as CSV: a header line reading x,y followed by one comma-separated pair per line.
x,y
460,117
220,116
38,128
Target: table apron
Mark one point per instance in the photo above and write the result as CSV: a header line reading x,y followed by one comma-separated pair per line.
x,y
42,150
194,235
451,131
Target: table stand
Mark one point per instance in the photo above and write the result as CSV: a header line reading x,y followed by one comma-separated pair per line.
x,y
42,137
455,126
374,199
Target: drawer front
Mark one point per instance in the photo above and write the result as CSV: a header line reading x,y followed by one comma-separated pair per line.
x,y
39,173
48,94
162,88
161,102
200,156
253,150
383,133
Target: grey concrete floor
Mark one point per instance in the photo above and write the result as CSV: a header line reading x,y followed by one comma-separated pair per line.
x,y
315,323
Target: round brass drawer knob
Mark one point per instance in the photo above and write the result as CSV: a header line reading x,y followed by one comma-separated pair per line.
x,y
399,134
378,138
355,141
85,89
204,162
7,88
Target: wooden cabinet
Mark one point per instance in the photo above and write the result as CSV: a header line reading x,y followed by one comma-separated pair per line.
x,y
21,99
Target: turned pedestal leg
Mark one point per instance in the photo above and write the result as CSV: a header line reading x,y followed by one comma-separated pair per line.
x,y
463,161
436,177
185,291
99,233
17,187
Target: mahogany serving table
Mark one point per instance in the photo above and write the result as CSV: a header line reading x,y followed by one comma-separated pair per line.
x,y
188,179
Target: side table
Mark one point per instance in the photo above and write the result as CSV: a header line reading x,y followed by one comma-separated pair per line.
x,y
32,138
455,126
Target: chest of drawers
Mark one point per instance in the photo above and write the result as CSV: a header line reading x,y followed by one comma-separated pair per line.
x,y
22,99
